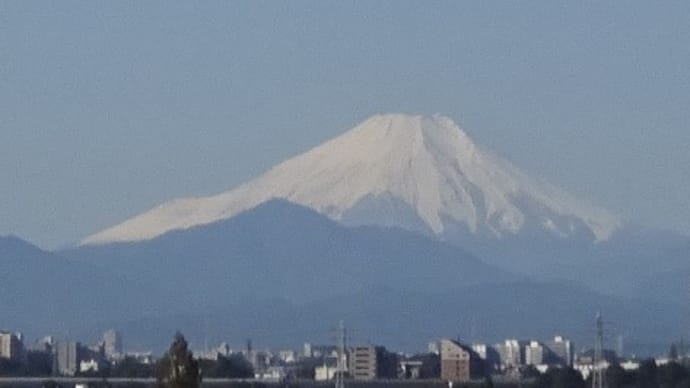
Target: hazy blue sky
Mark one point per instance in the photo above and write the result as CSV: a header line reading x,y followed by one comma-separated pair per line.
x,y
109,108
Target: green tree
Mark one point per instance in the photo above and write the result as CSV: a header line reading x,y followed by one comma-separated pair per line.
x,y
568,378
227,367
617,377
646,374
530,372
560,378
178,368
671,375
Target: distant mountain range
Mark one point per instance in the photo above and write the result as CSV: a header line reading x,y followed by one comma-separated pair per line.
x,y
279,249
408,320
45,293
282,274
402,226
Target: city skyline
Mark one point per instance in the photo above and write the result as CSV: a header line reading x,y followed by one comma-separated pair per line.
x,y
445,359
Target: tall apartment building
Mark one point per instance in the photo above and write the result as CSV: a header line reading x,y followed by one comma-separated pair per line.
x,y
11,346
562,349
371,362
489,354
67,358
112,343
534,353
512,353
459,362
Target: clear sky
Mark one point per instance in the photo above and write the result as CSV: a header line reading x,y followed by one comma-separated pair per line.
x,y
108,108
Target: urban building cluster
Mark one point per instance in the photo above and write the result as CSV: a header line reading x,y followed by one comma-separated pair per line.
x,y
445,359
69,358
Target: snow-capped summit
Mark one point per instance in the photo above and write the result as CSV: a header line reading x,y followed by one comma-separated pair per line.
x,y
414,172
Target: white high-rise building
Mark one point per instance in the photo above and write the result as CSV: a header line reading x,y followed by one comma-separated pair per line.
x,y
68,360
112,343
562,348
534,353
511,353
11,345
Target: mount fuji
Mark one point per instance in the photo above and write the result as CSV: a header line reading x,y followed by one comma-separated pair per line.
x,y
420,173
400,205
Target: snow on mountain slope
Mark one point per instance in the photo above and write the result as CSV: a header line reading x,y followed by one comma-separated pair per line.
x,y
425,162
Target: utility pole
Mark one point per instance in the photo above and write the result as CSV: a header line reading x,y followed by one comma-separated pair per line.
x,y
597,362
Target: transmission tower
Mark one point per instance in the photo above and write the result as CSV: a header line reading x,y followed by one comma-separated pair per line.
x,y
341,366
597,362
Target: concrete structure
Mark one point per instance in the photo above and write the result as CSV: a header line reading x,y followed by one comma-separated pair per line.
x,y
45,344
271,373
410,369
11,346
317,351
67,358
630,365
534,353
141,357
325,372
91,365
287,356
222,350
363,362
481,349
587,368
488,354
511,353
112,343
458,362
370,362
562,349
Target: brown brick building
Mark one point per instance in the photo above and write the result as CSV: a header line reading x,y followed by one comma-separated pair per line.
x,y
458,362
